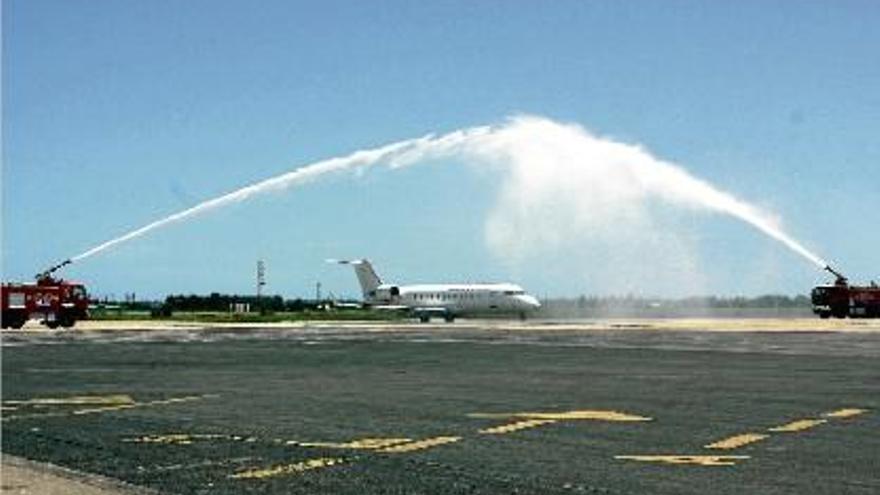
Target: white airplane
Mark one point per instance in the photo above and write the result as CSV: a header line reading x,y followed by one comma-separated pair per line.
x,y
442,300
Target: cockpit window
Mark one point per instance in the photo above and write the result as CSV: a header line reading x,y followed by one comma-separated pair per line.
x,y
514,292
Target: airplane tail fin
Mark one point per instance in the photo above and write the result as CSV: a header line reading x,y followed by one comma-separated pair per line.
x,y
366,275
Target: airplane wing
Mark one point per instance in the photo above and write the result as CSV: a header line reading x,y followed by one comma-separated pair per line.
x,y
431,310
391,307
334,261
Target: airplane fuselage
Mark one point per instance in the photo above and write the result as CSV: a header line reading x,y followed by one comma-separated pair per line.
x,y
443,300
451,300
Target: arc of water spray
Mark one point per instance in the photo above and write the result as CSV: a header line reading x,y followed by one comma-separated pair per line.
x,y
664,180
358,159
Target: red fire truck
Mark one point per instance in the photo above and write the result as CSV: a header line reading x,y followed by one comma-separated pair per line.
x,y
842,299
55,302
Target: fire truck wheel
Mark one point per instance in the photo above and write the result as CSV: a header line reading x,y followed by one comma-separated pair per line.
x,y
52,324
67,321
825,315
14,319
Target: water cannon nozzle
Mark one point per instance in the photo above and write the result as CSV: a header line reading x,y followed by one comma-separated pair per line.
x,y
841,280
48,273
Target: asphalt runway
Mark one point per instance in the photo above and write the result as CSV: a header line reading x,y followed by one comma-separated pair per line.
x,y
451,409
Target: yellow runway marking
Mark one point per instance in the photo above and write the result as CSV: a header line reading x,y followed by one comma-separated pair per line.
x,y
519,425
698,460
203,464
169,439
741,440
799,425
736,442
384,445
133,405
286,469
419,445
117,407
74,401
845,413
588,414
186,439
362,444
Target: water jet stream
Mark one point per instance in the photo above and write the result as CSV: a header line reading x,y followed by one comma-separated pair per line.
x,y
544,164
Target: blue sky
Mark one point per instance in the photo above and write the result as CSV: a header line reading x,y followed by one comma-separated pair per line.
x,y
116,113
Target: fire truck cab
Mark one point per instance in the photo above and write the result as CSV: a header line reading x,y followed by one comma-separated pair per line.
x,y
842,300
54,302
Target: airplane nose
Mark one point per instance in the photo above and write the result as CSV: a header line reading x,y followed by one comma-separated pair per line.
x,y
531,301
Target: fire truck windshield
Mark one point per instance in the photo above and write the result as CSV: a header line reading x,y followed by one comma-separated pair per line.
x,y
78,292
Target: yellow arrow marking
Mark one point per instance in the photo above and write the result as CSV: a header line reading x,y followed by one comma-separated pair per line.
x,y
586,414
117,407
419,445
699,460
799,425
361,444
845,413
73,401
173,400
519,425
737,441
286,469
186,438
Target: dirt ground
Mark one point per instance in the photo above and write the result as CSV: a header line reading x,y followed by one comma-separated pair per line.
x,y
23,477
